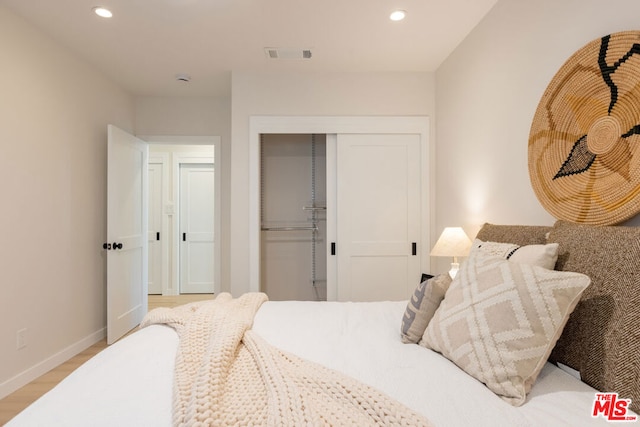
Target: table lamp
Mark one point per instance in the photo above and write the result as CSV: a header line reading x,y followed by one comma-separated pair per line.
x,y
453,242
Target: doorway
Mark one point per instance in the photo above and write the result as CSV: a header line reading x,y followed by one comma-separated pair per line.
x,y
183,215
128,217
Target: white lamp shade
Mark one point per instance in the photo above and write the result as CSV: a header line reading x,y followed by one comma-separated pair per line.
x,y
453,242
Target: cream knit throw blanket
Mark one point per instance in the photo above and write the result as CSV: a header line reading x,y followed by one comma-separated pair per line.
x,y
226,375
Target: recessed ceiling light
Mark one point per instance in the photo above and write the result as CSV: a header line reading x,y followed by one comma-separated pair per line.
x,y
397,15
102,12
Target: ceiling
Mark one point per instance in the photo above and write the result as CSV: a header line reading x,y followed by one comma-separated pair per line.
x,y
148,42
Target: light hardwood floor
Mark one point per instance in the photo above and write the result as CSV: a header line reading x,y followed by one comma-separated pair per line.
x,y
11,405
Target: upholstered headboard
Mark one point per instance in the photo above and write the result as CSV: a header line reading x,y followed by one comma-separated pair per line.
x,y
602,337
517,234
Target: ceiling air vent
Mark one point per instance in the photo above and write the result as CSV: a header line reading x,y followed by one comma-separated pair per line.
x,y
287,53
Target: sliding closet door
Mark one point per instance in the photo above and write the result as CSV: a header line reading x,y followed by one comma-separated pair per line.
x,y
377,222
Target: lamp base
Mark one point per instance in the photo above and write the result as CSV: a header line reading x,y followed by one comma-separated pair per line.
x,y
455,266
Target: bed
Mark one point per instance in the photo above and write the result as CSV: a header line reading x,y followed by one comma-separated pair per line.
x,y
131,382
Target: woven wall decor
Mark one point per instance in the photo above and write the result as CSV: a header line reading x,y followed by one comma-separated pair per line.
x,y
584,144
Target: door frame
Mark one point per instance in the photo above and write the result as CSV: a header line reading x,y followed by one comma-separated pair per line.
x,y
337,125
191,157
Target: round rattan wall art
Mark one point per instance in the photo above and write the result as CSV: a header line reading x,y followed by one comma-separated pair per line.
x,y
584,145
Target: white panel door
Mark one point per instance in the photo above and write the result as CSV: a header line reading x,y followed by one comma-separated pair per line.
x,y
126,232
378,216
197,221
155,237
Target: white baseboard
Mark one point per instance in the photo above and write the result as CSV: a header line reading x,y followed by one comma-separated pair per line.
x,y
49,363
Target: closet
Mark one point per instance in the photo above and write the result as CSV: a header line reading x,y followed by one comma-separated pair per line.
x,y
293,216
341,216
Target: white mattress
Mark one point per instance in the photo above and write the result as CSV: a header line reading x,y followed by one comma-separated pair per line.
x,y
130,383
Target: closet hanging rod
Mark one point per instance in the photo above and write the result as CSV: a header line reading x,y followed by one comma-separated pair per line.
x,y
289,228
314,208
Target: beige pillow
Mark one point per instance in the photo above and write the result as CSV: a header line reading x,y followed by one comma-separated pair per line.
x,y
541,255
499,321
421,307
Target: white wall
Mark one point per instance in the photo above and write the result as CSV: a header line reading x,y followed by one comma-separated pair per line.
x,y
308,94
54,111
195,116
487,92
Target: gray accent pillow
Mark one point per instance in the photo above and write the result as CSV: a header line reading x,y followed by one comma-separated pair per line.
x,y
421,307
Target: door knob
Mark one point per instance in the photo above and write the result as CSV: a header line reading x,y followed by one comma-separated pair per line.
x,y
117,245
106,246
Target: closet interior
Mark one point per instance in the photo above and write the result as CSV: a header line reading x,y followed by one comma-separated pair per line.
x,y
293,216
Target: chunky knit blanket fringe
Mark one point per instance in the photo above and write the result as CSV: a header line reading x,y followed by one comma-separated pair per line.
x,y
226,375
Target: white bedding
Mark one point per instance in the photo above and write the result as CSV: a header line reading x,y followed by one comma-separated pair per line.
x,y
130,383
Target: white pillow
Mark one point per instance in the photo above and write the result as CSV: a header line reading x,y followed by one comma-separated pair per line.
x,y
544,256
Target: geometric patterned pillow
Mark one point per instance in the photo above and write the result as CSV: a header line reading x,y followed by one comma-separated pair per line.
x,y
499,321
421,307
